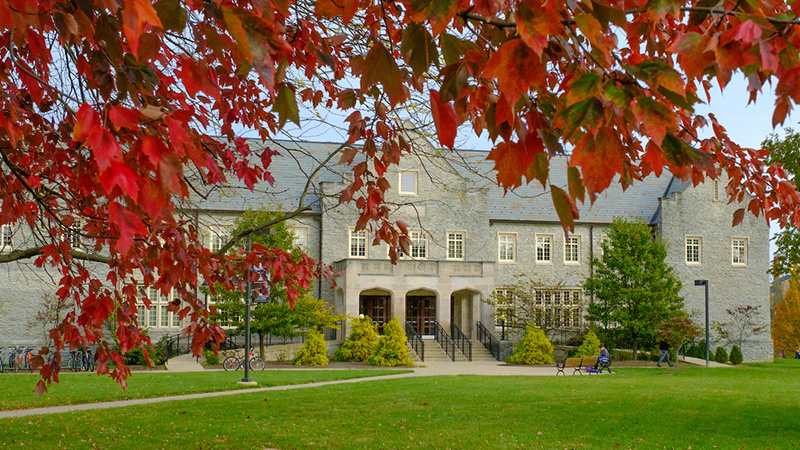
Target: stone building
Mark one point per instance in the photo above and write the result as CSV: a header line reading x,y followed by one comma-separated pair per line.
x,y
469,240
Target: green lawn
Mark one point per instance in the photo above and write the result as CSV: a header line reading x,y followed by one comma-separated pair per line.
x,y
16,390
753,407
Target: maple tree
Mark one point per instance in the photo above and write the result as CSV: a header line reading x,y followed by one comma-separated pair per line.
x,y
786,323
113,111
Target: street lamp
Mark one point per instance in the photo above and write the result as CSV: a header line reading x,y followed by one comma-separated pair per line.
x,y
246,380
705,283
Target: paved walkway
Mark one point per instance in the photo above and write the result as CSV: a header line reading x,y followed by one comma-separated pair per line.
x,y
187,363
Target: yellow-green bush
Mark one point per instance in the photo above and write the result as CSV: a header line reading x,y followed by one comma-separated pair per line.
x,y
361,343
391,349
590,346
314,352
534,348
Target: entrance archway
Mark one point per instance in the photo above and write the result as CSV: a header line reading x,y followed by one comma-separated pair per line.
x,y
463,310
377,305
421,311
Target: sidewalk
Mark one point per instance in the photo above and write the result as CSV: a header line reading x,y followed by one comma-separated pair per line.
x,y
184,363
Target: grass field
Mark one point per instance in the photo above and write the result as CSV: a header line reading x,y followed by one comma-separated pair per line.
x,y
752,407
16,390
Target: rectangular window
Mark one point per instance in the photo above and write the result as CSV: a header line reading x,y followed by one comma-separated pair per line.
x,y
455,245
572,250
506,243
218,238
544,245
73,235
358,244
152,314
176,320
693,250
164,316
419,244
506,305
5,238
300,237
739,251
408,183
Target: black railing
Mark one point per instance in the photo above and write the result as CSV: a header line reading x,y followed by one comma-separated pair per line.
x,y
236,341
178,345
490,342
415,341
461,341
444,340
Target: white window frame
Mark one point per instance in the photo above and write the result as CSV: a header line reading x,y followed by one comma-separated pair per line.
x,y
734,253
577,261
6,238
548,240
354,235
73,235
400,189
455,234
217,237
419,244
699,245
513,242
300,232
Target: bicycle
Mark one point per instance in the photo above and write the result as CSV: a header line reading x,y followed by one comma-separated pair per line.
x,y
234,363
88,360
23,359
74,363
2,366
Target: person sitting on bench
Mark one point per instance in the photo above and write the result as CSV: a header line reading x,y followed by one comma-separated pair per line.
x,y
604,360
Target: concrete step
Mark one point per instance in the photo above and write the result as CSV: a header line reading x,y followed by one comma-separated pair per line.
x,y
435,353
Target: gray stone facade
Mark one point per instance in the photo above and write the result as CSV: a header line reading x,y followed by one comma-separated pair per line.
x,y
455,196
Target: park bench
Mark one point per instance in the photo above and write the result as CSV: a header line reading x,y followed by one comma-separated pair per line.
x,y
579,364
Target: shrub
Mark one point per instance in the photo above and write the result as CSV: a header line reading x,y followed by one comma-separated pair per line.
x,y
159,353
653,355
211,358
721,356
624,355
361,343
135,357
314,352
736,355
589,347
391,349
534,348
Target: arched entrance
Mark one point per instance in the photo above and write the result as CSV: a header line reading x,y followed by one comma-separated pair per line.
x,y
421,311
463,310
377,305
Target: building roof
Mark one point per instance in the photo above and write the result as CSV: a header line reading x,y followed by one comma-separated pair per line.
x,y
527,203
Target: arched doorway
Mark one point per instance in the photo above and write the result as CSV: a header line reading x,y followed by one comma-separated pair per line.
x,y
463,310
421,311
377,305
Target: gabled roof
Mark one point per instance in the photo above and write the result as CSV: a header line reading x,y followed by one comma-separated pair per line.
x,y
531,202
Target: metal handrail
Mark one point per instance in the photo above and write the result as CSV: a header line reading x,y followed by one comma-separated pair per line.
x,y
444,340
415,341
489,341
461,341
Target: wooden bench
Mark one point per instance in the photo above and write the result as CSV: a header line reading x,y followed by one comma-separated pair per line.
x,y
579,364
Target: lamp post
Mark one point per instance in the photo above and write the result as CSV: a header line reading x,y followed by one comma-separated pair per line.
x,y
705,283
248,290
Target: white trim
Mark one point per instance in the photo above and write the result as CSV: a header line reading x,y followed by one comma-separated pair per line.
x,y
550,239
734,254
305,230
350,238
463,245
513,247
220,233
699,250
6,238
423,240
566,242
400,190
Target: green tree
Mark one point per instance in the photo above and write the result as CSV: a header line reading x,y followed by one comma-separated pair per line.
x,y
785,151
590,346
391,349
736,356
634,288
314,352
361,343
275,317
534,348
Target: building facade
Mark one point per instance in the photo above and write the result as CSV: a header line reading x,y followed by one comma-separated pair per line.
x,y
469,240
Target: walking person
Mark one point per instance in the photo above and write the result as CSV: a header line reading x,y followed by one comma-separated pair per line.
x,y
664,347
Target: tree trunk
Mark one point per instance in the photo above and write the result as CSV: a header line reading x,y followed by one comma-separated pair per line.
x,y
635,347
261,349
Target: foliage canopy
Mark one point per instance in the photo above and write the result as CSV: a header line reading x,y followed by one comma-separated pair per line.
x,y
115,112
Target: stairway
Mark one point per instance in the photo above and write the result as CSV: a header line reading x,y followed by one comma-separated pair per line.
x,y
435,353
